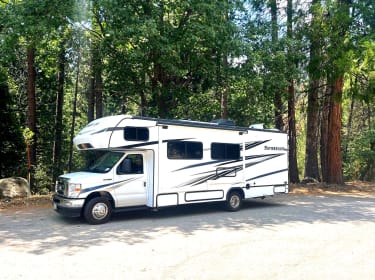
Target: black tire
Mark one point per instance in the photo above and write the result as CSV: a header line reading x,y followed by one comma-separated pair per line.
x,y
234,201
97,210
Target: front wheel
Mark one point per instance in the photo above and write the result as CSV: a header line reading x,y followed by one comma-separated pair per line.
x,y
97,211
234,201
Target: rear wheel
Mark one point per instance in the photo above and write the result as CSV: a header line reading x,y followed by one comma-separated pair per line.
x,y
234,201
97,211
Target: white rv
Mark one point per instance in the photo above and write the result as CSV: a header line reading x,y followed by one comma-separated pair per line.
x,y
152,163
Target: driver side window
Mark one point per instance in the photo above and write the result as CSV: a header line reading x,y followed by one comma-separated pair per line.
x,y
132,164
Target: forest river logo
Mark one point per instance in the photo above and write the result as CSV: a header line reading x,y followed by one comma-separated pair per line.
x,y
268,148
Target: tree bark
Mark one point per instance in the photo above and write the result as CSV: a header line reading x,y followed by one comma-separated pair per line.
x,y
91,93
312,127
334,155
224,103
31,110
143,109
293,164
334,158
312,132
278,103
324,128
98,87
74,113
224,89
56,158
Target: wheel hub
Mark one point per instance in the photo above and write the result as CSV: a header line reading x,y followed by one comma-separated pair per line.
x,y
234,201
100,211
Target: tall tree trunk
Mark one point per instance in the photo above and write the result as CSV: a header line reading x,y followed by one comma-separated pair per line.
x,y
95,91
159,87
340,27
74,113
312,127
224,103
91,93
293,165
324,129
99,90
56,158
334,158
312,131
31,110
224,90
278,103
223,54
143,109
98,87
349,128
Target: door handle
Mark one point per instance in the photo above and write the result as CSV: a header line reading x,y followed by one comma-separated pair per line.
x,y
144,184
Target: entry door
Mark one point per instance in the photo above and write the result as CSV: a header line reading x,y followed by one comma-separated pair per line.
x,y
131,174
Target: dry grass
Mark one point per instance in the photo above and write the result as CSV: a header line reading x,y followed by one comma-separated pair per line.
x,y
358,188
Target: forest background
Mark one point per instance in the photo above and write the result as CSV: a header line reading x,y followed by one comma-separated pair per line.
x,y
305,67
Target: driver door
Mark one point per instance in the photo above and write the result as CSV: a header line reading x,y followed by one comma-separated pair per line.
x,y
130,174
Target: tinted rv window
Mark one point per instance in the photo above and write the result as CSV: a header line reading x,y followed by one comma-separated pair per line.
x,y
132,164
184,150
132,133
104,162
225,151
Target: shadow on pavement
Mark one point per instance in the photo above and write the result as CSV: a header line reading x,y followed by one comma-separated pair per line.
x,y
48,231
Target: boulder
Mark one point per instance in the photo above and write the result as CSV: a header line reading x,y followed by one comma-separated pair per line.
x,y
13,187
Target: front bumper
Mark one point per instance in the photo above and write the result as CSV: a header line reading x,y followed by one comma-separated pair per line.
x,y
69,207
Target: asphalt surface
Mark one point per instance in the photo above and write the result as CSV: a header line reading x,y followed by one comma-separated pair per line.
x,y
283,237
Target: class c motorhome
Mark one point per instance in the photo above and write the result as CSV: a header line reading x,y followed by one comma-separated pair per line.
x,y
153,163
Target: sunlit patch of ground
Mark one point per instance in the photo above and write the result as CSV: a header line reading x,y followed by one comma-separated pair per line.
x,y
349,188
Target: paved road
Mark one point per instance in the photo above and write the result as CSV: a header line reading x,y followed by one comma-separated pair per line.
x,y
284,237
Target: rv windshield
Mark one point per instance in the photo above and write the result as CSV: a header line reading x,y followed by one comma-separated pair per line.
x,y
105,162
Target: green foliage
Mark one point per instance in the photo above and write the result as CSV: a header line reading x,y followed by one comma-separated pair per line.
x,y
361,157
43,184
163,51
175,59
12,147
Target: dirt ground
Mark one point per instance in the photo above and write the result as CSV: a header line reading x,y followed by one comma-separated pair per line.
x,y
357,188
35,201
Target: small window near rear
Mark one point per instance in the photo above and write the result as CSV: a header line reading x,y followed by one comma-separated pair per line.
x,y
225,151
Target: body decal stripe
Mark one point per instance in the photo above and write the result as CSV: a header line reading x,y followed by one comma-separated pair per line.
x,y
267,174
108,186
214,175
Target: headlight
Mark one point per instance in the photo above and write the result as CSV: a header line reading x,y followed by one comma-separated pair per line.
x,y
74,189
